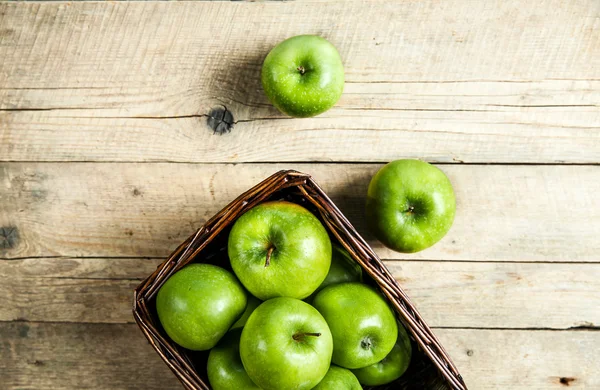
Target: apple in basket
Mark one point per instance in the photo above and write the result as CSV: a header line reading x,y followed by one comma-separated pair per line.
x,y
286,344
253,303
342,269
279,249
224,366
391,367
363,326
338,378
198,304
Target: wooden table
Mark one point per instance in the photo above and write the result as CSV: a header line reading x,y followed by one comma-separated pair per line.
x,y
107,163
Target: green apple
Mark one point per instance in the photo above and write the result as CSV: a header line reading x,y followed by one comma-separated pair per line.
x,y
303,76
279,249
391,367
224,367
410,205
343,269
363,326
338,378
253,303
286,344
198,304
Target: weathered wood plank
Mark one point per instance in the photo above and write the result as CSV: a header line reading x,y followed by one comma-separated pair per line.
x,y
67,268
452,82
108,44
505,213
72,290
502,295
449,294
79,356
531,135
524,359
66,356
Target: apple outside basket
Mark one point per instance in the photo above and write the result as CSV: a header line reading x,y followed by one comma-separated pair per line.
x,y
430,368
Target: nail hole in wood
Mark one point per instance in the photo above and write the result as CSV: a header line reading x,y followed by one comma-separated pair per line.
x,y
566,381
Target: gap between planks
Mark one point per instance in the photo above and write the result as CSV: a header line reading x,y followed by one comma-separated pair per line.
x,y
384,260
500,329
348,162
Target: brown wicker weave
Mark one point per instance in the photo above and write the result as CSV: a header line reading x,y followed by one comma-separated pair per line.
x,y
430,367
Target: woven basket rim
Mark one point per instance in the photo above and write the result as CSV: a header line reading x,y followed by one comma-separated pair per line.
x,y
337,224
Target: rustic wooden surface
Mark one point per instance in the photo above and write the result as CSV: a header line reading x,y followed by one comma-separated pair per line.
x,y
107,163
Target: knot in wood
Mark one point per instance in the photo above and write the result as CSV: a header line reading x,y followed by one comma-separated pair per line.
x,y
220,120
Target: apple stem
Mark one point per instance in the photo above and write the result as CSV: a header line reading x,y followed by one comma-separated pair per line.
x,y
301,70
299,336
269,253
411,209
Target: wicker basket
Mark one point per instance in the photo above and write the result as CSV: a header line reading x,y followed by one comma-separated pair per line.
x,y
430,367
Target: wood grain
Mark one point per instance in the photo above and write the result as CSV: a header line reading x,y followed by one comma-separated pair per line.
x,y
454,294
79,356
496,81
66,356
454,81
524,359
72,290
502,295
504,213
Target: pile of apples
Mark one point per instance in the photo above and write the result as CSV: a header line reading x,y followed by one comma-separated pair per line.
x,y
295,315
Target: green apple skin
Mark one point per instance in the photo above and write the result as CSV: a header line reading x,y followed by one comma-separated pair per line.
x,y
303,76
286,344
296,243
225,368
343,269
253,303
363,326
338,378
391,367
410,205
198,304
